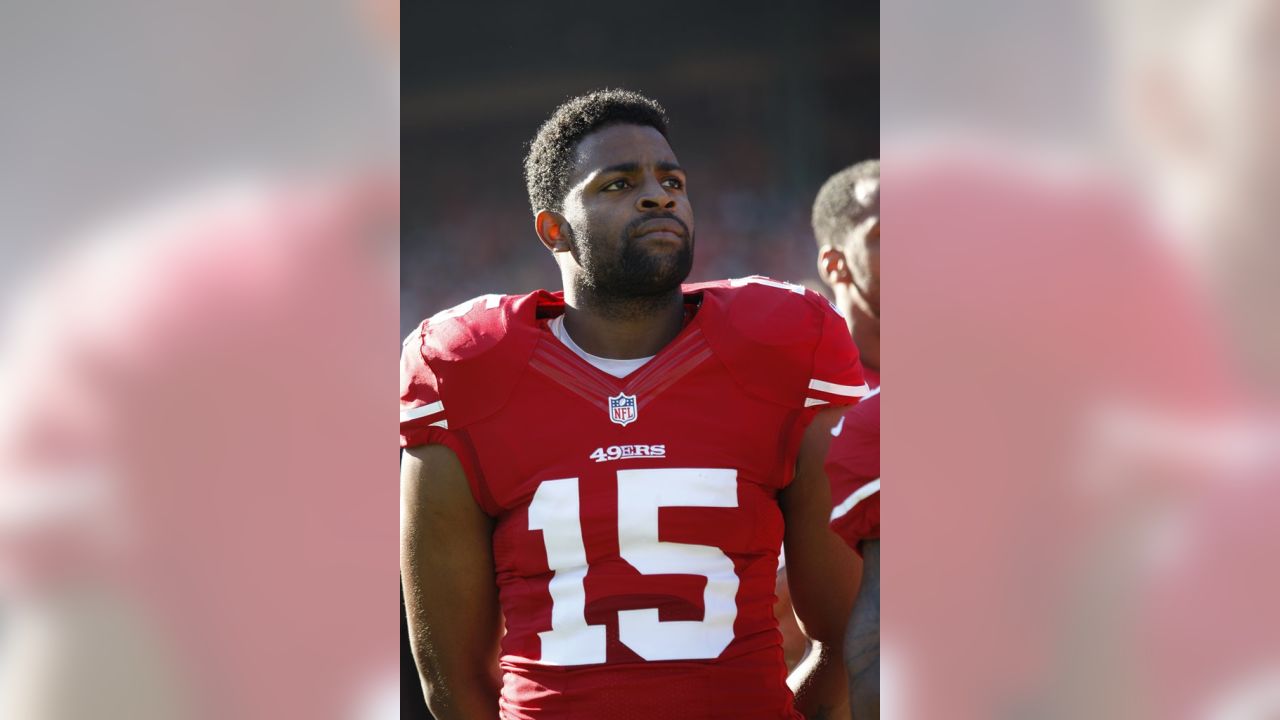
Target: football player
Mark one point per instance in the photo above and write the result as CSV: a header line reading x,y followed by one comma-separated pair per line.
x,y
846,222
611,469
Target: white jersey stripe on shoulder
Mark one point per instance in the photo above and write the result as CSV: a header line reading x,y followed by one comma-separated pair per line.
x,y
421,412
810,402
873,393
761,280
834,389
858,496
441,424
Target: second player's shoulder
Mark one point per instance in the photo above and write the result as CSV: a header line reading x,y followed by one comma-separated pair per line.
x,y
855,440
864,418
782,341
853,469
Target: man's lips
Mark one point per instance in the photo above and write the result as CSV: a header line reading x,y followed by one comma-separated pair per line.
x,y
658,228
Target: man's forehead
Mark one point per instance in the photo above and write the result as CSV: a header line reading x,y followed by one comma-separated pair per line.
x,y
620,145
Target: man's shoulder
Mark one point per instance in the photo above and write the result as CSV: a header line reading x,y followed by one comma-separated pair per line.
x,y
780,340
757,292
762,310
463,362
478,326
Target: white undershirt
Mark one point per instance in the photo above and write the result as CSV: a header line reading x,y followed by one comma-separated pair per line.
x,y
616,368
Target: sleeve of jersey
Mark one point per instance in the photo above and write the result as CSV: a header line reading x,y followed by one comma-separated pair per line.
x,y
424,419
837,375
856,515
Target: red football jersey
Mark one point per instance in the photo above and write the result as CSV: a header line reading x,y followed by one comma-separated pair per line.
x,y
853,468
638,528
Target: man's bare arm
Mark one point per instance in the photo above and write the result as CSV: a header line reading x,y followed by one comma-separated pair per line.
x,y
450,592
862,639
822,574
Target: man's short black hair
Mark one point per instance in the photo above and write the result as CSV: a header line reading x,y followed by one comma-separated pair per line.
x,y
546,167
846,200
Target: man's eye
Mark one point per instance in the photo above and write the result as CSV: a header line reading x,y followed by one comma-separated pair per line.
x,y
615,185
673,183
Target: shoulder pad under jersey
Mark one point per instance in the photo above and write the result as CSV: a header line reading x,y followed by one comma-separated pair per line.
x,y
461,365
781,342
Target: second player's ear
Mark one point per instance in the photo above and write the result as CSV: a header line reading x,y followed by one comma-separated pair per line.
x,y
553,230
832,266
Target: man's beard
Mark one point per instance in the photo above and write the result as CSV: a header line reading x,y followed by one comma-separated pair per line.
x,y
637,277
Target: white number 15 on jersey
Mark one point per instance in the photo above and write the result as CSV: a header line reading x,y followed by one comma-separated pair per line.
x,y
554,511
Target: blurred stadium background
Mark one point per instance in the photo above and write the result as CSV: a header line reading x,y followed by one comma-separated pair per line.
x,y
766,101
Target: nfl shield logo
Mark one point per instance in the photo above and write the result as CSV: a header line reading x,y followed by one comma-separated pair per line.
x,y
622,409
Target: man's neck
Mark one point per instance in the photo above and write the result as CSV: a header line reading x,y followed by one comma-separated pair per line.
x,y
622,329
866,335
863,326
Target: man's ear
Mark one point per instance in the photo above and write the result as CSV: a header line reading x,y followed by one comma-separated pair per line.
x,y
832,266
553,230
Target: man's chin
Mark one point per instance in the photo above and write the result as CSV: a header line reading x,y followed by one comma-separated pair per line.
x,y
671,276
655,285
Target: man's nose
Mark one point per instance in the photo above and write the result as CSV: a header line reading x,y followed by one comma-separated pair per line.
x,y
654,196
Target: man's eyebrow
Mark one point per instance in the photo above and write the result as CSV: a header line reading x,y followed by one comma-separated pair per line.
x,y
630,167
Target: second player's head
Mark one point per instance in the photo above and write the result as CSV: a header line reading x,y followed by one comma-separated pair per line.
x,y
609,197
846,222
